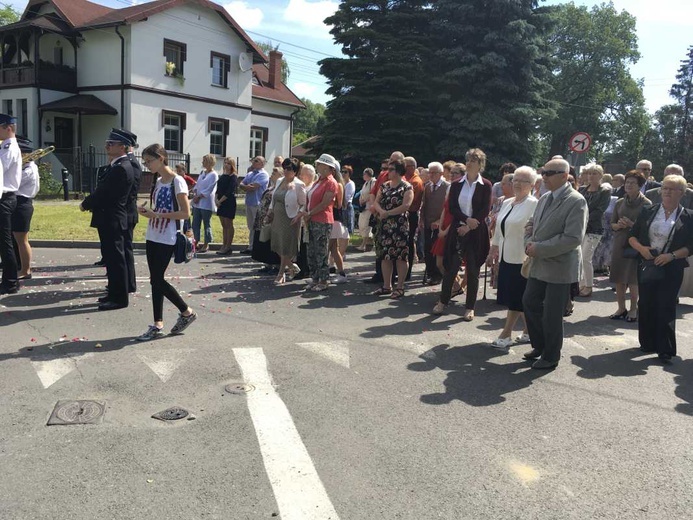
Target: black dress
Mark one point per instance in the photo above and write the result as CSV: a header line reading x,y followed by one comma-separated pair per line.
x,y
226,185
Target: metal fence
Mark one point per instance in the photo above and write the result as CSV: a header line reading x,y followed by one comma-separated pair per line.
x,y
82,165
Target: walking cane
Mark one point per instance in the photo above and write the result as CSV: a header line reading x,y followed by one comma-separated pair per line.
x,y
485,278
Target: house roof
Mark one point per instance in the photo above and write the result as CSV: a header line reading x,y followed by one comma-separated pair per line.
x,y
76,12
49,22
280,94
82,14
85,104
304,149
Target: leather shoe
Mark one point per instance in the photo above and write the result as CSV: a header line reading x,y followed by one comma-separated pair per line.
x,y
100,263
532,354
9,290
104,299
542,364
112,306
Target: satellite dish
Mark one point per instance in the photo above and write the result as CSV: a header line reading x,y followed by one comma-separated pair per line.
x,y
245,62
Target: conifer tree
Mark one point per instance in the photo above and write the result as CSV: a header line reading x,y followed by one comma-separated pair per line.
x,y
382,93
492,73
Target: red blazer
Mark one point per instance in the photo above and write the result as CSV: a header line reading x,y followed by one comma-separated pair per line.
x,y
478,239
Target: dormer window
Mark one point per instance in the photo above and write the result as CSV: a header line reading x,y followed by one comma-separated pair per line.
x,y
175,54
221,65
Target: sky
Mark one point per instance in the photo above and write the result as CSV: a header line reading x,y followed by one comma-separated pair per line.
x,y
297,28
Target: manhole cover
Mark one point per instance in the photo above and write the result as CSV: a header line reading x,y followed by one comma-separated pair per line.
x,y
239,388
77,412
172,414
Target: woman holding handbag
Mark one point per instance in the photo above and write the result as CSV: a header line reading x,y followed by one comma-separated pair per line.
x,y
663,235
288,200
170,207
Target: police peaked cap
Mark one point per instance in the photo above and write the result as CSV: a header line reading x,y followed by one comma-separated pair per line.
x,y
123,136
7,120
24,145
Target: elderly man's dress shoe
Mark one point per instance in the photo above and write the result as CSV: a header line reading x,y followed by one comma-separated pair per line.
x,y
532,354
542,364
112,306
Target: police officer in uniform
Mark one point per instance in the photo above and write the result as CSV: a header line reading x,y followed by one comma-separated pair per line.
x,y
11,160
133,216
100,174
110,204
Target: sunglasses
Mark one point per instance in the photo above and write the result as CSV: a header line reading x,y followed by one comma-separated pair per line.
x,y
551,173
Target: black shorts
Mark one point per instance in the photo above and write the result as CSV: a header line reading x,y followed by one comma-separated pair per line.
x,y
21,217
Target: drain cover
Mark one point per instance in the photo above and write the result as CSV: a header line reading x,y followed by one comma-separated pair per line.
x,y
239,388
77,412
172,414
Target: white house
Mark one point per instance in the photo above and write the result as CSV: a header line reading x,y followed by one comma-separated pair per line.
x,y
178,72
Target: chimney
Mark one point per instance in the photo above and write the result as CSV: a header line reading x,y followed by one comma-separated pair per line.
x,y
275,68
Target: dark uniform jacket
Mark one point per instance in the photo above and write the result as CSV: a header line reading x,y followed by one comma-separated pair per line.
x,y
133,214
109,203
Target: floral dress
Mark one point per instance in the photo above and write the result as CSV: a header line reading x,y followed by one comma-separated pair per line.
x,y
393,243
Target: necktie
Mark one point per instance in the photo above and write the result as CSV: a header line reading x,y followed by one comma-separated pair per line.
x,y
549,201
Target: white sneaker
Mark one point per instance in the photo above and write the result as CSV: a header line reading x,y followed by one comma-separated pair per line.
x,y
502,343
339,279
522,338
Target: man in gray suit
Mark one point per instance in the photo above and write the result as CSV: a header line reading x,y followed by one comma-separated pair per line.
x,y
552,240
655,194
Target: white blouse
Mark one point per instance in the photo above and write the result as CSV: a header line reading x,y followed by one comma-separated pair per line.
x,y
661,227
467,193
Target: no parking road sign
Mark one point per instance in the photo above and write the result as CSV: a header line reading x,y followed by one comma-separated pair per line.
x,y
580,142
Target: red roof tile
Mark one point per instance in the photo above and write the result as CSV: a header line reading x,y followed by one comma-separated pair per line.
x,y
281,94
79,12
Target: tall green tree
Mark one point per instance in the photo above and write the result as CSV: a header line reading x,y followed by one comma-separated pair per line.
x,y
382,96
492,76
311,120
682,92
8,15
595,92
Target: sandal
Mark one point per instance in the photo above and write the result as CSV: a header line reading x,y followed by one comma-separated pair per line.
x,y
382,291
397,294
631,319
469,316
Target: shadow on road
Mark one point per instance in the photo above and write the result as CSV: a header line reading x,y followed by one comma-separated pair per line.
x,y
472,377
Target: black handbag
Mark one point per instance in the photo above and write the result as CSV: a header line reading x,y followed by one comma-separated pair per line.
x,y
648,272
183,250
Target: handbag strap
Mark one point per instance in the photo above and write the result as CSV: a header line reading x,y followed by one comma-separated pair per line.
x,y
671,231
176,207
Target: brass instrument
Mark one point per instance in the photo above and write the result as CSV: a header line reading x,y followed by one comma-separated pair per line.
x,y
36,155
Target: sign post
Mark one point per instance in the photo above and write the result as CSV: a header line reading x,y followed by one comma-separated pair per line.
x,y
579,144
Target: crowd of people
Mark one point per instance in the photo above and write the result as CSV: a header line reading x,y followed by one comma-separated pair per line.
x,y
542,233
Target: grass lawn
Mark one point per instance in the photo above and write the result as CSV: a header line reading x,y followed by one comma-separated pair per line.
x,y
58,220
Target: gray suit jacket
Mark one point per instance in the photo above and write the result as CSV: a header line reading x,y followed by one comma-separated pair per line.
x,y
655,196
557,235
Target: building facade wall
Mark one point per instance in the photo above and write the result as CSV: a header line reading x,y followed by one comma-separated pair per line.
x,y
278,126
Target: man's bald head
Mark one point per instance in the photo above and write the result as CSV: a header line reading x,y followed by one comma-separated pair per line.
x,y
557,165
397,156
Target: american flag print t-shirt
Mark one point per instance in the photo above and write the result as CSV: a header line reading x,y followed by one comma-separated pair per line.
x,y
163,230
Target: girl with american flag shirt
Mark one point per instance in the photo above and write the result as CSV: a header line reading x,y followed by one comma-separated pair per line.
x,y
161,239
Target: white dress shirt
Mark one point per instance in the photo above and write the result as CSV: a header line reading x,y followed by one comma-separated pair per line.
x,y
467,193
11,159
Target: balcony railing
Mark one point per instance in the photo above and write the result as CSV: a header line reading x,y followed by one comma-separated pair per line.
x,y
50,76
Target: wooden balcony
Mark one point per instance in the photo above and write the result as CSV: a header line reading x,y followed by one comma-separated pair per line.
x,y
50,77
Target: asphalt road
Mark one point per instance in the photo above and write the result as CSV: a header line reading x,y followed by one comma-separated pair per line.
x,y
358,408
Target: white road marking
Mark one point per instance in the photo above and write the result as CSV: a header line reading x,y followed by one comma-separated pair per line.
x,y
51,369
297,487
337,351
164,362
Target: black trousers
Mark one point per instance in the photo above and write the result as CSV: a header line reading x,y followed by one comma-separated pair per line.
x,y
432,272
657,311
113,248
158,258
8,203
413,218
472,269
544,304
130,260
